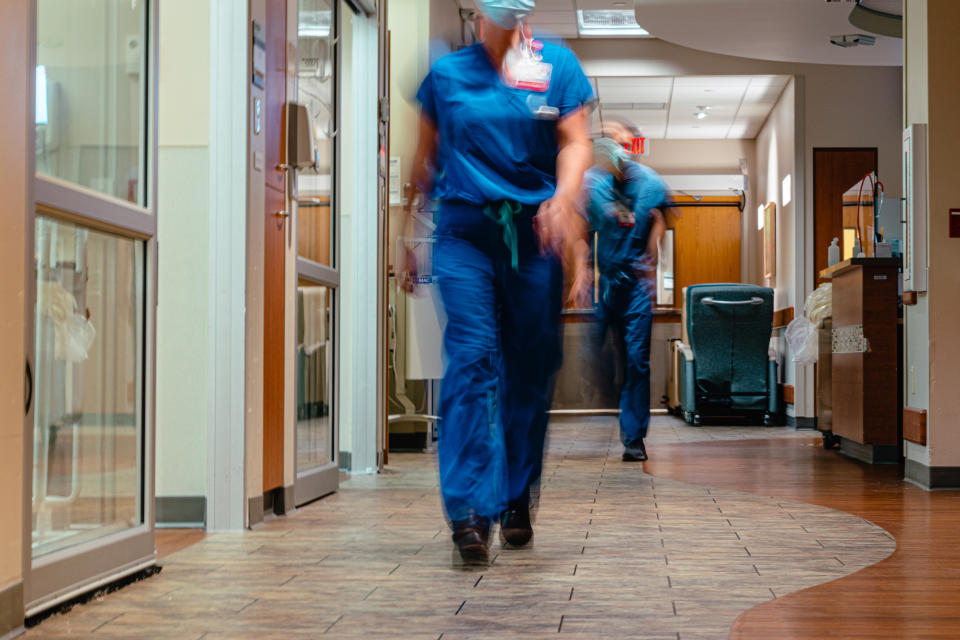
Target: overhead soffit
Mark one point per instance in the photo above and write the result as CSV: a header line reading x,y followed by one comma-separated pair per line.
x,y
779,30
665,107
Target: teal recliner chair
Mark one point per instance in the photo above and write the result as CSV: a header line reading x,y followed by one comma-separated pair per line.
x,y
727,371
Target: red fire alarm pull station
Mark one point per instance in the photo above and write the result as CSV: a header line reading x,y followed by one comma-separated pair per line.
x,y
955,223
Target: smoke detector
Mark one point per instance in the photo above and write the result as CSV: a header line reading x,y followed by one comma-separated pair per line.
x,y
853,40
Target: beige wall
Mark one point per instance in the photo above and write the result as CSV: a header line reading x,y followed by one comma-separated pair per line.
x,y
183,237
916,393
705,157
944,192
15,183
775,160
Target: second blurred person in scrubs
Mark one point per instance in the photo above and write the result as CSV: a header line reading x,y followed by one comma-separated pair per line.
x,y
503,146
625,201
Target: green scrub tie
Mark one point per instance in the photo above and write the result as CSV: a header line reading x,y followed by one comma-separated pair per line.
x,y
503,213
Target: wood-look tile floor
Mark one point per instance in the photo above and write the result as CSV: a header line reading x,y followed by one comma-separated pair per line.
x,y
617,554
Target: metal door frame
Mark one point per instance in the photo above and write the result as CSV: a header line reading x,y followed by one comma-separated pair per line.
x,y
62,575
325,479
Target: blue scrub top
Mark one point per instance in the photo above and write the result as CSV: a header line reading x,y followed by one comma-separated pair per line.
x,y
619,247
492,146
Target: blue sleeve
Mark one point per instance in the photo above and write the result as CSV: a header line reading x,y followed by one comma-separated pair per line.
x,y
427,96
573,88
599,194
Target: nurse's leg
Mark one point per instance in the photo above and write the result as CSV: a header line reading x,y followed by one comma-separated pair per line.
x,y
635,396
530,326
470,440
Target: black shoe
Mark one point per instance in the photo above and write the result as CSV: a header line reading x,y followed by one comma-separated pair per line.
x,y
635,453
515,527
470,537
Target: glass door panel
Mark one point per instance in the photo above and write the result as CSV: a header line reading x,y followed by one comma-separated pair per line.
x,y
318,279
88,368
314,368
92,344
316,82
91,74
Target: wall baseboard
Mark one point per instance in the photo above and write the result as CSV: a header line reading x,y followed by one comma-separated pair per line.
x,y
870,453
181,511
932,477
11,611
800,422
254,511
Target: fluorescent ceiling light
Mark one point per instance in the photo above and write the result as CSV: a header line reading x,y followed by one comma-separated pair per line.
x,y
609,22
634,106
314,24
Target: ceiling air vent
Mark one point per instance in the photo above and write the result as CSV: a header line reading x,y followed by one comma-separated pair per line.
x,y
609,22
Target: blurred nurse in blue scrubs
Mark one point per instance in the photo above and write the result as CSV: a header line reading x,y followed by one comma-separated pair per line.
x,y
625,203
503,146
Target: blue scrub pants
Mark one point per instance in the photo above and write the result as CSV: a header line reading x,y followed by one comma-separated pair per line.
x,y
627,308
502,345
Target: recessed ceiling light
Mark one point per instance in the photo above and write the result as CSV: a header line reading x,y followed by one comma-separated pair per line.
x,y
702,112
609,22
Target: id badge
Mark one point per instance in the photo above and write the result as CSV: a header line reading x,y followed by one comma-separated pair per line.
x,y
524,70
533,76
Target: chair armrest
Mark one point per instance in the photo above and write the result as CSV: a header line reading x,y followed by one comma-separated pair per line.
x,y
773,398
688,399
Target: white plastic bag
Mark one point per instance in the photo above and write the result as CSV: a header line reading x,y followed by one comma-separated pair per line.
x,y
74,337
801,335
819,304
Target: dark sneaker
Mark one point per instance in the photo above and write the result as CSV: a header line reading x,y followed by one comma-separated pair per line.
x,y
635,453
515,527
470,537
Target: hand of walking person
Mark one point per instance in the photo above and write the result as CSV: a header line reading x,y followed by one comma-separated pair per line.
x,y
557,221
582,282
406,259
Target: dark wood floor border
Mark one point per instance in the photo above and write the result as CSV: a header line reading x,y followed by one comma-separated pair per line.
x,y
912,594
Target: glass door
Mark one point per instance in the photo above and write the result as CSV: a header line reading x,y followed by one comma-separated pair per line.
x,y
318,275
90,518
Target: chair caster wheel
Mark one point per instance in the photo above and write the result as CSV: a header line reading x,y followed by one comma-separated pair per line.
x,y
696,420
767,420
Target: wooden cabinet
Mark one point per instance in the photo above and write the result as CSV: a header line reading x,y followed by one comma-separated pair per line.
x,y
865,357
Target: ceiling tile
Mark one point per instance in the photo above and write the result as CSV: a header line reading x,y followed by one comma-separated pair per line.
x,y
713,81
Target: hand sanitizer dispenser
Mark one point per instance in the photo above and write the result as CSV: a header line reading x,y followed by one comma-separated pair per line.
x,y
833,253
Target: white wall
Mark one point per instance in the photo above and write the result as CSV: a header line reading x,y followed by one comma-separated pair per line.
x,y
916,318
183,238
776,159
705,157
359,244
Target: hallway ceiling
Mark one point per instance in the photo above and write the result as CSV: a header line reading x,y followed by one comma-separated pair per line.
x,y
665,107
781,30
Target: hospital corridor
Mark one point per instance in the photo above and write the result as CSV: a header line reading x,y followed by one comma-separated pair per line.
x,y
479,319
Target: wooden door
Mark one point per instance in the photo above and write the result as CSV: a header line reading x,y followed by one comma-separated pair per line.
x,y
275,237
834,171
706,244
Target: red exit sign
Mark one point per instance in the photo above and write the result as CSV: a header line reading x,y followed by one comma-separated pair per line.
x,y
638,146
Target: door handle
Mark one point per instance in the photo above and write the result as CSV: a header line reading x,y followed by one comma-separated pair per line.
x,y
282,214
29,391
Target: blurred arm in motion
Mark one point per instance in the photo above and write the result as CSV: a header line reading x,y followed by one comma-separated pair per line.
x,y
421,182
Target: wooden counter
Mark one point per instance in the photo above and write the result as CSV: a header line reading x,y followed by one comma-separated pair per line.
x,y
865,357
